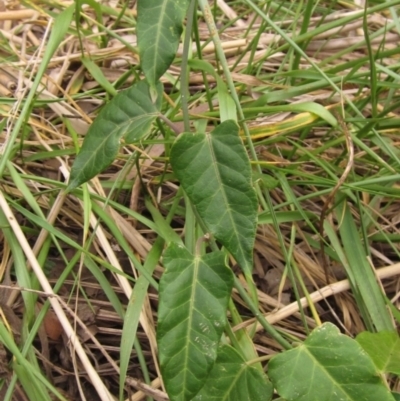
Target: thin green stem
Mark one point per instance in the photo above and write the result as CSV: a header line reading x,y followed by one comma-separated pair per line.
x,y
268,327
221,56
185,66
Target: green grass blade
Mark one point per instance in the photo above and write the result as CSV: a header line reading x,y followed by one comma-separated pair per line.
x,y
227,107
59,30
98,75
361,271
105,285
134,310
31,386
21,270
29,370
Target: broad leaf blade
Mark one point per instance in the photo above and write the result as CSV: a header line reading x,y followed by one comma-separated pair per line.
x,y
194,293
159,27
214,171
231,379
130,115
383,348
328,366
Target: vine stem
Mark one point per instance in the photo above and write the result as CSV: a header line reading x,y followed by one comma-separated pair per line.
x,y
185,66
268,327
205,8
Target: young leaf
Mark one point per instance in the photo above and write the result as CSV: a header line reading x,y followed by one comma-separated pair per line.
x,y
231,379
128,115
194,293
383,348
214,171
328,366
159,27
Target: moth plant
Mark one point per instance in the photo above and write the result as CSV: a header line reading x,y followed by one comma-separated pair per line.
x,y
201,357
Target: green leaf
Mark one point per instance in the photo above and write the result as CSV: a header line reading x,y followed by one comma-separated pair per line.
x,y
383,348
59,30
32,387
105,285
30,375
98,75
130,115
227,106
283,217
306,107
329,366
159,27
231,379
214,171
194,293
133,312
365,287
97,8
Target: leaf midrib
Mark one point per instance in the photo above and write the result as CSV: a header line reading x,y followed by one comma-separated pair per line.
x,y
331,378
209,140
196,263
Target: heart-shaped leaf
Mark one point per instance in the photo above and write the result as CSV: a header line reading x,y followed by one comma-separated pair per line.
x,y
194,293
129,115
159,27
215,172
328,366
231,379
